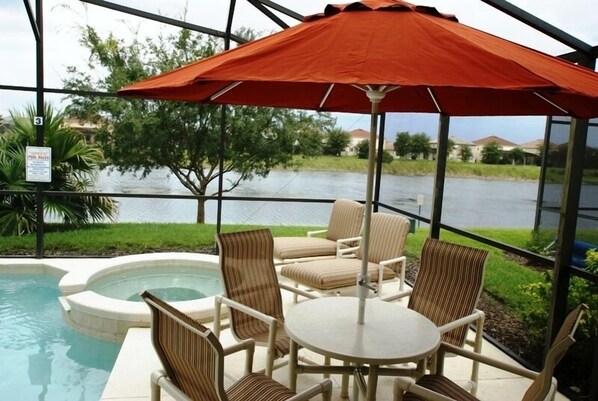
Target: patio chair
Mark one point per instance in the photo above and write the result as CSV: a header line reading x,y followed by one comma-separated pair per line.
x,y
343,228
439,388
252,292
447,289
386,261
193,363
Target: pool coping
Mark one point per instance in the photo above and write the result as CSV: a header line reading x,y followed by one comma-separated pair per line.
x,y
104,317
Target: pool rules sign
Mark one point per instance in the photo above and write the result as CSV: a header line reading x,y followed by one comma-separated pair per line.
x,y
39,164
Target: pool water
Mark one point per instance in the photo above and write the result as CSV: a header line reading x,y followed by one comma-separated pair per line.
x,y
185,284
41,358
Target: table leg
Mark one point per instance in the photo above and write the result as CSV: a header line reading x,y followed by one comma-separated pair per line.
x,y
293,365
372,383
345,383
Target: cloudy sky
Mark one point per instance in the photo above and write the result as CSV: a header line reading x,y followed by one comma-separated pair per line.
x,y
62,18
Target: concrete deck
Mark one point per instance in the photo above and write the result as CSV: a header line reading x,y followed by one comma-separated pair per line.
x,y
129,380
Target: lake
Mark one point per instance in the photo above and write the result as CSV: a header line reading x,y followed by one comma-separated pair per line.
x,y
468,202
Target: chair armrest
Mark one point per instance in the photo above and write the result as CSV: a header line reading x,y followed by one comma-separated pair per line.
x,y
343,252
403,261
325,386
402,384
245,309
244,345
299,291
312,233
509,367
461,322
159,379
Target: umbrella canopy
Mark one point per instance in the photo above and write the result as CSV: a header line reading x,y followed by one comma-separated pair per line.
x,y
433,63
383,56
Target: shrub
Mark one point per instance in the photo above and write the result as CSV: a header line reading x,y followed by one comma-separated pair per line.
x,y
579,361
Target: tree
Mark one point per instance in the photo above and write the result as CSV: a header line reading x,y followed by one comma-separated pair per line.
x,y
363,149
2,124
491,153
336,141
74,168
183,137
450,146
517,156
402,144
420,144
465,153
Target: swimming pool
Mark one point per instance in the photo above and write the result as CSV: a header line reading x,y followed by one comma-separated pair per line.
x,y
41,358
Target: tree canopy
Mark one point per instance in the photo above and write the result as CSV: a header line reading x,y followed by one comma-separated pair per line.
x,y
491,153
336,141
183,137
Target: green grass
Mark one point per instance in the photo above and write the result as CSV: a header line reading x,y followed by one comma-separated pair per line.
x,y
422,167
502,280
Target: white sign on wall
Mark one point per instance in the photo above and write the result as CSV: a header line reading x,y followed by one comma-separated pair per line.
x,y
38,167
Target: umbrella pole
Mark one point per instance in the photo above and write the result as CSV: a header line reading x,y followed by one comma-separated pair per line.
x,y
363,278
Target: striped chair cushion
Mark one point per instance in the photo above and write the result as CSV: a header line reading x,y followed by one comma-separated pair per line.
x,y
448,284
189,359
249,276
258,386
388,233
442,385
303,247
345,220
331,274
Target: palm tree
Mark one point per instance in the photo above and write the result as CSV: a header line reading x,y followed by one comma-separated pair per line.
x,y
74,169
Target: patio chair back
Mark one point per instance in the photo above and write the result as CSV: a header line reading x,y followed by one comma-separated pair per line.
x,y
448,285
345,219
388,233
249,276
190,353
563,340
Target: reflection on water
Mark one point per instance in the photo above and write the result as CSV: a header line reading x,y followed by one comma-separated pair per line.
x,y
467,202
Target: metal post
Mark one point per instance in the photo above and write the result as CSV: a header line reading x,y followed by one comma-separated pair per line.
x,y
567,225
379,156
542,178
441,157
227,37
39,188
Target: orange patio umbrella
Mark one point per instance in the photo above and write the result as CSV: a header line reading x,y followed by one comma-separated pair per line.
x,y
383,56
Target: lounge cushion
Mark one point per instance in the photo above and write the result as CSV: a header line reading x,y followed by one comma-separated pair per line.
x,y
331,273
303,247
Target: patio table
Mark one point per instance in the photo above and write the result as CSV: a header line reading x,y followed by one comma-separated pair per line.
x,y
391,334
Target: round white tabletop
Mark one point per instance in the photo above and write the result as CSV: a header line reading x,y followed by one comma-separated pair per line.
x,y
391,333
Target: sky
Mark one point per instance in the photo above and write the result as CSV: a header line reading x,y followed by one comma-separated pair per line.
x,y
63,17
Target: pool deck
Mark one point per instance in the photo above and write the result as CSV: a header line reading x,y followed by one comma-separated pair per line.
x,y
129,380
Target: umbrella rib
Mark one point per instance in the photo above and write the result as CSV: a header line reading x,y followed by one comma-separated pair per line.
x,y
224,90
330,87
552,103
434,100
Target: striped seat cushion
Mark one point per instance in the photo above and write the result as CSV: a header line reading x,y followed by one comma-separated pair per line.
x,y
330,274
442,385
256,386
303,247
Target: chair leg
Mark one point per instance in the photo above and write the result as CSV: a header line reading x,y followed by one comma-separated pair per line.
x,y
293,366
295,295
155,392
475,369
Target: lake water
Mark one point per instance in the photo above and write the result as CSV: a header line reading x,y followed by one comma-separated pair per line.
x,y
468,202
